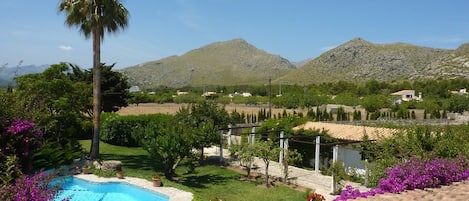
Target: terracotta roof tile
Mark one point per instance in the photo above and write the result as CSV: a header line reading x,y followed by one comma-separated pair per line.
x,y
349,132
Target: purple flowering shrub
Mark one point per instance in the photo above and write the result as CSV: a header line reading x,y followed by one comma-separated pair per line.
x,y
29,188
415,174
19,138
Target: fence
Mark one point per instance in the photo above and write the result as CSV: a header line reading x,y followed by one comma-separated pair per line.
x,y
284,145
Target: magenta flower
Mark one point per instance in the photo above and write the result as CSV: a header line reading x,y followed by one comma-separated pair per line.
x,y
415,174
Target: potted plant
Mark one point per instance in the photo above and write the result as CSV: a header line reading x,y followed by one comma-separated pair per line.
x,y
86,169
120,174
156,180
315,197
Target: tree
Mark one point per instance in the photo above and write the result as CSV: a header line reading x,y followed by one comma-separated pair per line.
x,y
246,153
7,105
167,142
114,87
204,120
373,103
458,103
290,157
267,150
53,101
58,106
93,17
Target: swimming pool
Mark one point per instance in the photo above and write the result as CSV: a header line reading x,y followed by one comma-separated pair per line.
x,y
81,190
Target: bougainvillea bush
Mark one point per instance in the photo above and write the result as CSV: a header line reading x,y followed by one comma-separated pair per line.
x,y
416,173
19,138
30,188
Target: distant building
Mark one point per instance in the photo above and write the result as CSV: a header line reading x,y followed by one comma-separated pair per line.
x,y
407,95
244,94
461,91
180,93
210,95
134,89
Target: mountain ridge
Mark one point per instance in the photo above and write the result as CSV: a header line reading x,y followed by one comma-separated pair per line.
x,y
7,74
221,63
237,62
356,60
359,60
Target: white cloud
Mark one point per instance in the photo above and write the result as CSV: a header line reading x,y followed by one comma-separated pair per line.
x,y
65,47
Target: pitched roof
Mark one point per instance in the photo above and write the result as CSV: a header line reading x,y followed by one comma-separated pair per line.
x,y
402,92
348,132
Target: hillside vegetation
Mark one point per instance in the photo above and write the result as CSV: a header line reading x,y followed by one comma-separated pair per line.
x,y
237,62
359,60
222,63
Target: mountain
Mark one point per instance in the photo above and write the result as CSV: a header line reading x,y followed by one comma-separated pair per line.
x,y
233,62
7,74
300,64
451,65
237,62
359,60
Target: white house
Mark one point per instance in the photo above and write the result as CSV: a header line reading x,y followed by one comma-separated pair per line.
x,y
180,93
461,91
407,95
210,94
134,89
246,94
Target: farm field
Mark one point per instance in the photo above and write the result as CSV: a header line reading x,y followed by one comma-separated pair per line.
x,y
172,108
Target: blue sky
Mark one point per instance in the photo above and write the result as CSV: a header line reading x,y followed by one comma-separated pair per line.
x,y
34,32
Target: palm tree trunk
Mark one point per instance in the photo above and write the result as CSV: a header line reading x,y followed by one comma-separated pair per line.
x,y
96,92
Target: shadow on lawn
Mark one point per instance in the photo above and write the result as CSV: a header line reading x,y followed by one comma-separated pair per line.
x,y
202,181
140,162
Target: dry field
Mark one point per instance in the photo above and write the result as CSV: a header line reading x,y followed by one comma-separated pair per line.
x,y
172,108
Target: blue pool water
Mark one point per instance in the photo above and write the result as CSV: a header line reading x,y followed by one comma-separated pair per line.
x,y
81,190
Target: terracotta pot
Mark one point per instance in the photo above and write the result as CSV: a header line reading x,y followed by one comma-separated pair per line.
x,y
120,175
156,182
86,170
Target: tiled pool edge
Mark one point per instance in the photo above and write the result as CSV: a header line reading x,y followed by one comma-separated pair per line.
x,y
174,194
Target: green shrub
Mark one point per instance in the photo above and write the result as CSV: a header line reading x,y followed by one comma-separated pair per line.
x,y
120,130
419,141
53,154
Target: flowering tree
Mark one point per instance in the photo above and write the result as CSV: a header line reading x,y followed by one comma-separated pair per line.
x,y
19,138
31,188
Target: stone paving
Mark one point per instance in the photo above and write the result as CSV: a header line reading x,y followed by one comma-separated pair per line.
x,y
305,178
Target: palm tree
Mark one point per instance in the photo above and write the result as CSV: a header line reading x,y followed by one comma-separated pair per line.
x,y
93,17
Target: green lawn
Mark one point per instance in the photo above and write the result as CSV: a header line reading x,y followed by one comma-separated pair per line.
x,y
206,183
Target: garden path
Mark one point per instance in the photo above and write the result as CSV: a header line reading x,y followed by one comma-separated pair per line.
x,y
305,178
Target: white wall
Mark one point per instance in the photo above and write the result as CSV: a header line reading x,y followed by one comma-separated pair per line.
x,y
351,158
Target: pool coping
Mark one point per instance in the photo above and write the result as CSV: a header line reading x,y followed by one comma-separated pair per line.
x,y
174,194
